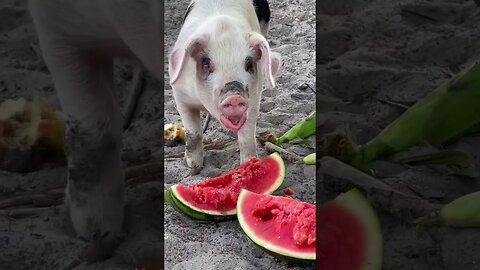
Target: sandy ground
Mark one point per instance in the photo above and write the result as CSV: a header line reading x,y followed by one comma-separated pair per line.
x,y
205,246
42,238
372,50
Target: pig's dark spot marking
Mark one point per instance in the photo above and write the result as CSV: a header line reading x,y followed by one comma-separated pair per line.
x,y
263,10
188,11
86,149
193,140
235,87
193,143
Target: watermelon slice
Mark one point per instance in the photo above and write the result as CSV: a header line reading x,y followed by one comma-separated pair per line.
x,y
217,197
349,233
281,225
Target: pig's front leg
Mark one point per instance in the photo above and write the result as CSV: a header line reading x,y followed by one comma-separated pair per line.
x,y
246,137
83,80
193,137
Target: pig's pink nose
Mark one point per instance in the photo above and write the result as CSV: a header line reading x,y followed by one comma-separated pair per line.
x,y
234,106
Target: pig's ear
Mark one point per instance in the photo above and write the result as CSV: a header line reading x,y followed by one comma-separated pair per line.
x,y
176,62
276,62
179,57
270,61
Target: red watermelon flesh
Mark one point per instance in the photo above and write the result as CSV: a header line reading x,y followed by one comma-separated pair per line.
x,y
279,224
349,233
218,196
344,240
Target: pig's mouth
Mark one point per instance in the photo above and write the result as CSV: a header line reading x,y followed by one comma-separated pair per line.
x,y
234,122
233,112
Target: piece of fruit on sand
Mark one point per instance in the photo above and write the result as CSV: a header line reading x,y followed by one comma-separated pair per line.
x,y
173,134
24,124
216,198
349,233
283,226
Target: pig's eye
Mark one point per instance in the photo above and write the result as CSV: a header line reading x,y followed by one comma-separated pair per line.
x,y
206,65
249,65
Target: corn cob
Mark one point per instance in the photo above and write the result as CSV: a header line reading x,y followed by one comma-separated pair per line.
x,y
302,130
462,212
447,112
310,159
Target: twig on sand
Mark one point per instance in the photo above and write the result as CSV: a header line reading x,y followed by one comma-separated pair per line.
x,y
205,124
209,146
394,103
292,157
340,177
152,168
134,175
219,145
18,213
135,93
305,85
52,197
418,13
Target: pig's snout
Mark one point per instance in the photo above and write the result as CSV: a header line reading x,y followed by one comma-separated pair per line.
x,y
234,105
233,111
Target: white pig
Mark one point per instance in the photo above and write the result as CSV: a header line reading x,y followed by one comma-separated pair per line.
x,y
219,63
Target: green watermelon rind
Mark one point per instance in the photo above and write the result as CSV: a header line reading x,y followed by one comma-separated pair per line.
x,y
196,215
170,199
191,208
271,249
201,214
281,175
356,203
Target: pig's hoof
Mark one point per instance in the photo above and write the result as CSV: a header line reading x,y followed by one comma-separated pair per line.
x,y
194,161
194,171
96,217
101,247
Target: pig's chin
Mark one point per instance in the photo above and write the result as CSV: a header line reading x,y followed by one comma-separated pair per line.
x,y
233,123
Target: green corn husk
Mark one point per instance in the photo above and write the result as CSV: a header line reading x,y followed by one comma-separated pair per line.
x,y
310,159
462,212
302,130
446,113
